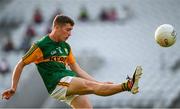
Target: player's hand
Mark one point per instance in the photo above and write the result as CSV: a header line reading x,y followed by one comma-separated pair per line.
x,y
7,94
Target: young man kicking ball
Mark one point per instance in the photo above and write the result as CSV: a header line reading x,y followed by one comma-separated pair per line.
x,y
51,54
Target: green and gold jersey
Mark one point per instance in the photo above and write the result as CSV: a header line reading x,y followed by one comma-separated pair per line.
x,y
51,59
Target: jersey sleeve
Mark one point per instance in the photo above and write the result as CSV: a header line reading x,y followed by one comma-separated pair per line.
x,y
34,54
70,58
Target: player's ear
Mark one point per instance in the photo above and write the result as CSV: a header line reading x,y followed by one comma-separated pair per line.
x,y
56,27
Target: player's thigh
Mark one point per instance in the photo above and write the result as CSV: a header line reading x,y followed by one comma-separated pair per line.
x,y
81,86
81,101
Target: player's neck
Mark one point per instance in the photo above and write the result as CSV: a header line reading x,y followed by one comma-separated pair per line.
x,y
53,37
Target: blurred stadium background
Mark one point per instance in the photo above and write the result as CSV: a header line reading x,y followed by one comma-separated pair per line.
x,y
109,48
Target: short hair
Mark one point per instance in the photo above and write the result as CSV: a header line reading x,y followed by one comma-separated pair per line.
x,y
62,20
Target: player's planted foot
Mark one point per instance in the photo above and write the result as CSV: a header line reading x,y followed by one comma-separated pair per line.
x,y
132,83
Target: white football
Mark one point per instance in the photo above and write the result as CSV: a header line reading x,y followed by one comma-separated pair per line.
x,y
165,35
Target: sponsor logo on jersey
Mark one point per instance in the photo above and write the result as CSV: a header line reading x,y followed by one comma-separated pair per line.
x,y
61,59
53,52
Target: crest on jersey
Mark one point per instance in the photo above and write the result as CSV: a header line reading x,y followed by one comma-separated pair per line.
x,y
59,49
66,50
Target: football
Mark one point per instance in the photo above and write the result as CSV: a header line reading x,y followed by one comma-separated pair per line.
x,y
165,35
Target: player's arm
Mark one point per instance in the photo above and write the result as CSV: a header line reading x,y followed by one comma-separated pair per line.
x,y
15,78
16,74
81,73
76,68
32,55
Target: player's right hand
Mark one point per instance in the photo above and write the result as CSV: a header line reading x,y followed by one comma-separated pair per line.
x,y
7,94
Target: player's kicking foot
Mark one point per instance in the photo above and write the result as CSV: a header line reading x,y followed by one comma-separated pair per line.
x,y
132,83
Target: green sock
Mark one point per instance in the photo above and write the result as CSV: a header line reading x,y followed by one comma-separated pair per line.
x,y
125,87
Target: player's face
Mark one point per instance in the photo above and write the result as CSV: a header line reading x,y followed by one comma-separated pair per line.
x,y
65,32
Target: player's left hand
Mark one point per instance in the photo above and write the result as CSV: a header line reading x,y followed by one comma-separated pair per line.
x,y
7,94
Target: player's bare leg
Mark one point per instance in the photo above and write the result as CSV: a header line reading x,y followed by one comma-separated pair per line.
x,y
81,101
81,86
